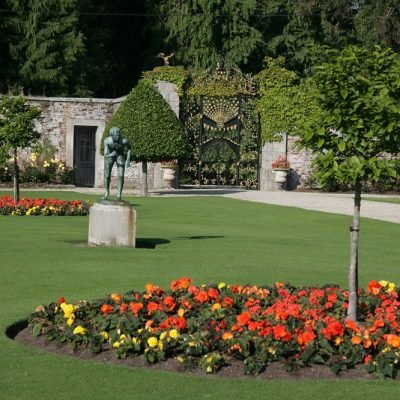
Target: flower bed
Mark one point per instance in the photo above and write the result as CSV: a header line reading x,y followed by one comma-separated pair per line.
x,y
210,325
27,206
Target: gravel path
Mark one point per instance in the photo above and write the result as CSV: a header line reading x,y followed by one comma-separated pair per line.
x,y
325,202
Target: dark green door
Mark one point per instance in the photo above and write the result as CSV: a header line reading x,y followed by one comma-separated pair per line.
x,y
84,155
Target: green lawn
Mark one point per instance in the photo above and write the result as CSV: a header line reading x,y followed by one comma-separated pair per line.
x,y
395,200
210,239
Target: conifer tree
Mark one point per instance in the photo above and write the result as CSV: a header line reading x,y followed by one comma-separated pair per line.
x,y
49,46
201,31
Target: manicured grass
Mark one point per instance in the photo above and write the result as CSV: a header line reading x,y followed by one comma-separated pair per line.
x,y
209,239
395,200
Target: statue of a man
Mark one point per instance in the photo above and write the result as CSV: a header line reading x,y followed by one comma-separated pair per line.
x,y
116,149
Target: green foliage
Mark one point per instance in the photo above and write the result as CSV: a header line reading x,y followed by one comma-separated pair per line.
x,y
17,127
150,125
284,101
49,46
203,30
220,82
356,135
177,75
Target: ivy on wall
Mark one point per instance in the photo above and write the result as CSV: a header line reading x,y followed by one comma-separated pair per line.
x,y
177,75
284,102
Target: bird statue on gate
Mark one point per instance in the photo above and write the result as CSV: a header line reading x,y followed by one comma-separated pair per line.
x,y
164,57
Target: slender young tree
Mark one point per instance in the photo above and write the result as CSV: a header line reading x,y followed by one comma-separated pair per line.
x,y
17,130
355,136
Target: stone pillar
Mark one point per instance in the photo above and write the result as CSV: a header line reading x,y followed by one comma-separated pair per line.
x,y
269,153
112,223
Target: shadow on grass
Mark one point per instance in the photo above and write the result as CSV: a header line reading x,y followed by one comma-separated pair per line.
x,y
146,243
198,237
13,330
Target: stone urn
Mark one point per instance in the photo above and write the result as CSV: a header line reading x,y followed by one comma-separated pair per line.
x,y
280,175
169,175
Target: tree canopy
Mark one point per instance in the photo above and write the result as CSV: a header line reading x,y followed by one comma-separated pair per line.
x,y
355,135
99,48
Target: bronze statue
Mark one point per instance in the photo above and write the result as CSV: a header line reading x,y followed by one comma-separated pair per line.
x,y
116,149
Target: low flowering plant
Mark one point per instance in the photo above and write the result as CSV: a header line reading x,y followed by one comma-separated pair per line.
x,y
281,163
208,326
47,207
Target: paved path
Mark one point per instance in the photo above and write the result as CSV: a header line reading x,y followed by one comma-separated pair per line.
x,y
325,202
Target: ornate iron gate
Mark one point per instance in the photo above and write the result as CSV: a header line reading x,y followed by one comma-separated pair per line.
x,y
224,138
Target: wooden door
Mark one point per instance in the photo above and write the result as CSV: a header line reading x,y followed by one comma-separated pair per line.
x,y
84,155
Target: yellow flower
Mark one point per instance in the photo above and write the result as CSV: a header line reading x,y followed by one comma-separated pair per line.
x,y
152,341
80,330
105,335
193,344
221,285
139,331
71,320
116,345
68,309
46,164
383,283
135,340
181,312
163,335
173,333
122,338
160,345
209,369
391,287
215,307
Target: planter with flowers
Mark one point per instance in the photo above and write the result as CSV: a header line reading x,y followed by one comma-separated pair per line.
x,y
169,170
281,167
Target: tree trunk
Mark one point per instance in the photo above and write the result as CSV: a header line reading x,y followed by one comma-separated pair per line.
x,y
16,177
145,191
353,270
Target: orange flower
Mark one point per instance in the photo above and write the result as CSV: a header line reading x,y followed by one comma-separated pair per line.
x,y
352,326
213,293
201,297
152,306
374,287
227,335
227,302
356,340
149,287
135,308
123,308
116,297
106,309
280,333
244,318
393,340
169,303
182,283
305,337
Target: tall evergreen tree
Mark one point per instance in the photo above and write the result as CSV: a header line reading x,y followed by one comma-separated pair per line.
x,y
201,31
49,47
378,22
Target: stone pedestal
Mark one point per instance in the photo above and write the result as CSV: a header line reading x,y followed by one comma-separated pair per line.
x,y
112,223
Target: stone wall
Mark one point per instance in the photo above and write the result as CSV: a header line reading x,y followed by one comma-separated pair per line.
x,y
61,114
300,161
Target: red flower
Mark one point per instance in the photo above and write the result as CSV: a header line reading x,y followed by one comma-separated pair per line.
x,y
135,308
244,318
61,300
194,290
123,308
212,293
228,302
305,337
333,329
201,297
180,284
152,306
106,309
169,303
374,287
280,333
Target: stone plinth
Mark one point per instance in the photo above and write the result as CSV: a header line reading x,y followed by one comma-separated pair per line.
x,y
112,223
